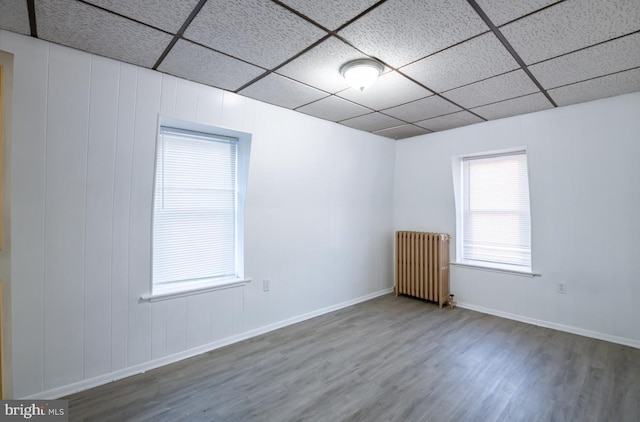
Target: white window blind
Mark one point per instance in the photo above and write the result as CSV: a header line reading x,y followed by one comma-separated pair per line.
x,y
194,215
496,213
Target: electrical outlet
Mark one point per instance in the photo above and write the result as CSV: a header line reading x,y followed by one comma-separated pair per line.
x,y
266,285
562,288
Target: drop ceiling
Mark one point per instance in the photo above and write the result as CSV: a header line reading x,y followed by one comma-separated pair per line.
x,y
448,63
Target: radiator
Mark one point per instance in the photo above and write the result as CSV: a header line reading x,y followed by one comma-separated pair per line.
x,y
422,265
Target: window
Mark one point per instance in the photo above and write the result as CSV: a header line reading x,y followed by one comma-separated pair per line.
x,y
495,217
198,209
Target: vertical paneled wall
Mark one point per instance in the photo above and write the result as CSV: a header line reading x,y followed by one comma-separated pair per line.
x,y
318,218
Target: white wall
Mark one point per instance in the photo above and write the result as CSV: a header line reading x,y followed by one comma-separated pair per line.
x,y
6,62
318,218
585,201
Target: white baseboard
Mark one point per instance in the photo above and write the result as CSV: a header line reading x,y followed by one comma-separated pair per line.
x,y
560,327
156,363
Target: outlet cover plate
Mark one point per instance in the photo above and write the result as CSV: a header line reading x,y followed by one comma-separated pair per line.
x,y
562,288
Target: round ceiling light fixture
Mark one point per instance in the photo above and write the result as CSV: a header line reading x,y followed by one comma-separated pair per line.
x,y
361,73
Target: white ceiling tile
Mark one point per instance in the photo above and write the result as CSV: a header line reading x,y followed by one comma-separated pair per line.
x,y
320,66
200,64
334,109
15,16
372,122
168,15
443,45
389,90
508,85
515,106
425,108
281,91
399,32
503,11
571,25
471,61
90,29
613,56
606,86
401,132
330,13
258,31
449,121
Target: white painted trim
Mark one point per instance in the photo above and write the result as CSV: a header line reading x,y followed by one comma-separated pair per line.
x,y
495,269
193,289
555,326
166,360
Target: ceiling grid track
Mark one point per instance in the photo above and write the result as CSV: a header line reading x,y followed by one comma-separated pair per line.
x,y
510,49
321,40
180,32
31,7
289,60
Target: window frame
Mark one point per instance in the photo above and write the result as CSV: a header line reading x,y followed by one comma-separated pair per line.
x,y
163,291
458,180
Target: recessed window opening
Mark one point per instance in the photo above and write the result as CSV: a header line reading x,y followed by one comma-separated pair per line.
x,y
198,207
496,217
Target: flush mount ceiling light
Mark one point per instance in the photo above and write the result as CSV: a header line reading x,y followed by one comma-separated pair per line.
x,y
361,73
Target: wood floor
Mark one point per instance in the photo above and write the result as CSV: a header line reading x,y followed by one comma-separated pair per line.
x,y
388,359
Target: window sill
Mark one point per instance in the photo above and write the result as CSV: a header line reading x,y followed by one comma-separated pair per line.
x,y
496,269
182,290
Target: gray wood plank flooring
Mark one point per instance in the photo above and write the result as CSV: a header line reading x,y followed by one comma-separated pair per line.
x,y
388,359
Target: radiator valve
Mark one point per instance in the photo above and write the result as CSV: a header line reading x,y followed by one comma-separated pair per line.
x,y
451,301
